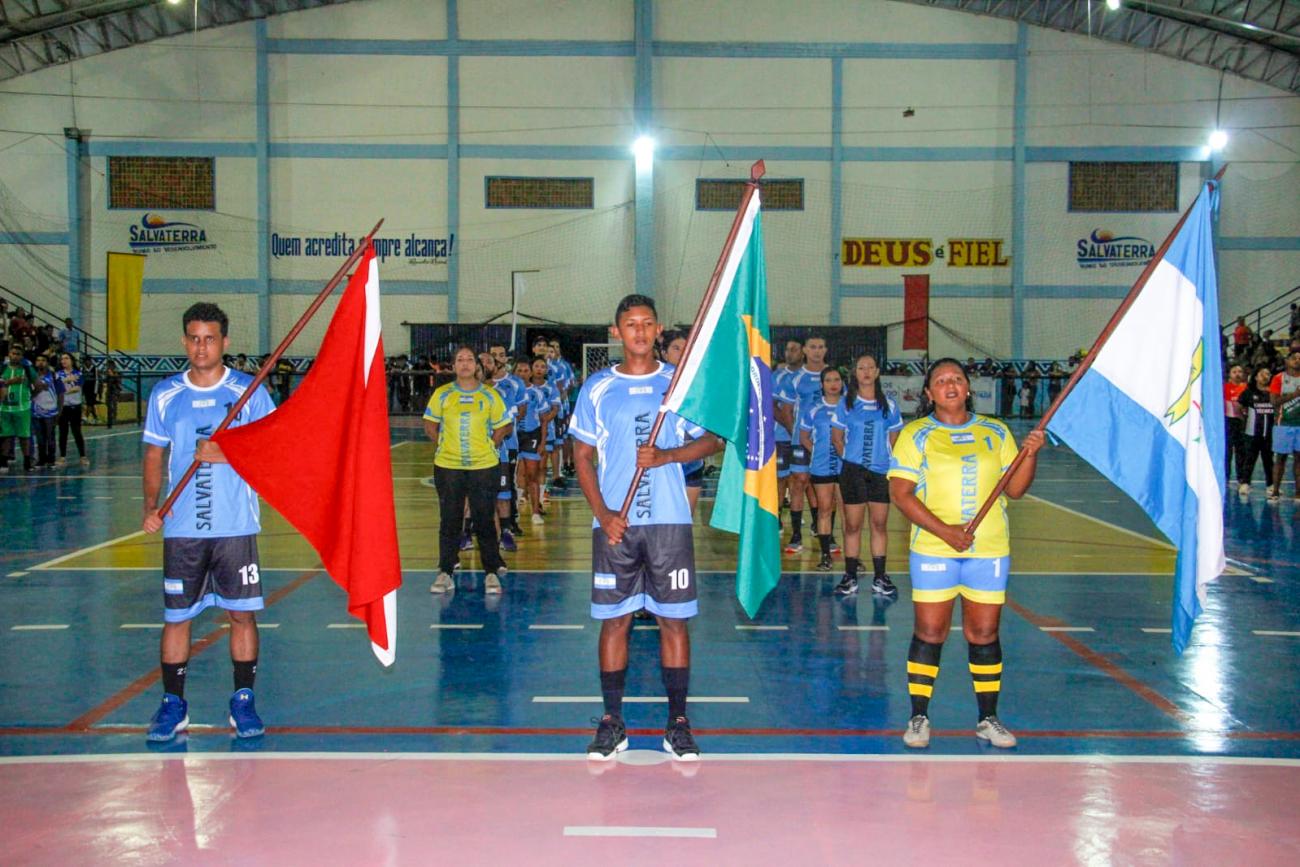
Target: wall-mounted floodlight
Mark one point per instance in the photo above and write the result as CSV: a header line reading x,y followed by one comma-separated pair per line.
x,y
644,151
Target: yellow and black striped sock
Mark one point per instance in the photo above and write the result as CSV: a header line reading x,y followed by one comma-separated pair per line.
x,y
922,670
986,673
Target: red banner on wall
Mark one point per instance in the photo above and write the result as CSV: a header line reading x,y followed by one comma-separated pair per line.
x,y
916,311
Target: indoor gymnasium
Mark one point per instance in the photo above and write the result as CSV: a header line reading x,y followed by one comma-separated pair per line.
x,y
649,431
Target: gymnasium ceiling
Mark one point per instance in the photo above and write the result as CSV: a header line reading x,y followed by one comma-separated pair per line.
x,y
1255,39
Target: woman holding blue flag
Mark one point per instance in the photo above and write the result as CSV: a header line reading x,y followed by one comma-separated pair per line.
x,y
867,425
815,425
945,464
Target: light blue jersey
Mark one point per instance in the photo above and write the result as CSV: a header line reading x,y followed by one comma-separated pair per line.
x,y
866,432
554,400
818,419
783,393
216,502
538,402
614,413
807,388
559,373
511,388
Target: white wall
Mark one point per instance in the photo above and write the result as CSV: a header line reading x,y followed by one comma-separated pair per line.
x,y
1081,93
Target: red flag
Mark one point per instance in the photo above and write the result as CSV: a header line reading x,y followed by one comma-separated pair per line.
x,y
916,311
322,460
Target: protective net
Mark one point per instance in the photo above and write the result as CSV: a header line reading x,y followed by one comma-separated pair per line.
x,y
598,356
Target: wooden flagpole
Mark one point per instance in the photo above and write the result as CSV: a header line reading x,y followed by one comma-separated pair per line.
x,y
269,364
756,171
1088,359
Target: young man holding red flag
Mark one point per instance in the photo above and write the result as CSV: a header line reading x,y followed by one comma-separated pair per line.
x,y
646,560
210,534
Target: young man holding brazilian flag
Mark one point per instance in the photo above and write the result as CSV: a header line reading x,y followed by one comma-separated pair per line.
x,y
643,554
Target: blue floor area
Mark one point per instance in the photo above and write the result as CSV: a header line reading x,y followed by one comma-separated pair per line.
x,y
833,680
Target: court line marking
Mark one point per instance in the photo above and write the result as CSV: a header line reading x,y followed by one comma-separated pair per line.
x,y
639,699
66,557
862,628
52,567
1260,579
345,626
454,626
556,626
1160,543
638,831
1276,632
109,436
754,627
141,626
260,625
20,573
145,681
644,627
576,757
1067,629
37,627
1157,630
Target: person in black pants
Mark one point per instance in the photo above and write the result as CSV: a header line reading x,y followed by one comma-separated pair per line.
x,y
1257,405
70,385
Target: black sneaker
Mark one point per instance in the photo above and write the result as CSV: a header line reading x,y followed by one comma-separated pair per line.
x,y
825,564
679,741
883,586
848,585
611,739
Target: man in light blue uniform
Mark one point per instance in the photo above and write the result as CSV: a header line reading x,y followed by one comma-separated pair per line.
x,y
801,390
210,533
646,560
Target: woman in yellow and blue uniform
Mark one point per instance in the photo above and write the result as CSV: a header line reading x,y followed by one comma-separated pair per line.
x,y
467,422
944,465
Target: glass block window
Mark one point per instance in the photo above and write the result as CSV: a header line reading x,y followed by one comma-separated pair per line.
x,y
572,193
1123,187
174,183
723,194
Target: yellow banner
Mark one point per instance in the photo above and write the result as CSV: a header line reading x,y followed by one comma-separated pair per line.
x,y
125,280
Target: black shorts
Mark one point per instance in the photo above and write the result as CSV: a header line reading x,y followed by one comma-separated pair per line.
x,y
860,485
782,460
200,573
798,458
528,443
695,478
652,568
824,480
561,427
506,483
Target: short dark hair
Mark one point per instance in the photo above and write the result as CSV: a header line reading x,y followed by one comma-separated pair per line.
x,y
205,311
634,300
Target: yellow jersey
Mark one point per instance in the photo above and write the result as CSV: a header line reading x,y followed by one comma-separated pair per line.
x,y
955,468
466,420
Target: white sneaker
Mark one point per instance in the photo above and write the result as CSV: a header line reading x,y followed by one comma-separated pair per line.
x,y
1273,495
538,519
61,462
491,584
917,734
1243,488
992,730
442,584
85,462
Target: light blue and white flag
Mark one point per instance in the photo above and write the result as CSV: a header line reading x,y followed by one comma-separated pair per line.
x,y
1148,414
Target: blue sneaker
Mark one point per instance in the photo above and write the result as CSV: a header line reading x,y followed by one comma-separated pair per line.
x,y
171,718
466,542
508,541
243,715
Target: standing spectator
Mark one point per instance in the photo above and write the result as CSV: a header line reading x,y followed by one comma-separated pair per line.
x,y
1293,326
4,328
1240,336
67,337
1055,382
17,379
44,339
283,379
1234,418
1009,391
20,331
1285,389
46,403
89,387
1257,404
112,390
70,384
1026,397
1263,353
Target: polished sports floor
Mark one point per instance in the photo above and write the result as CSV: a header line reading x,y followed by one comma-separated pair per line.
x,y
471,747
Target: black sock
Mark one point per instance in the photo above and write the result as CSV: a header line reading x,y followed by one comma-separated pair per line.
x,y
676,682
878,566
244,673
813,511
824,540
173,677
796,521
832,523
851,566
986,673
611,690
922,671
467,528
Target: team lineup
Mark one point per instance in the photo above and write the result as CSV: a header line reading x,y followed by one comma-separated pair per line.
x,y
842,448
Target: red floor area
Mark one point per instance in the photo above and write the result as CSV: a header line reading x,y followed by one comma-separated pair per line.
x,y
420,809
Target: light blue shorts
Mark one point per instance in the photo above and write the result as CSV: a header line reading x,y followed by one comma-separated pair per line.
x,y
979,579
1286,439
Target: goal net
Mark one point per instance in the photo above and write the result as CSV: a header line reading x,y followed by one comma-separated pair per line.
x,y
598,356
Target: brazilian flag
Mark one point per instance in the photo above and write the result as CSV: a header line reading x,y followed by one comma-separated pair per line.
x,y
725,386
